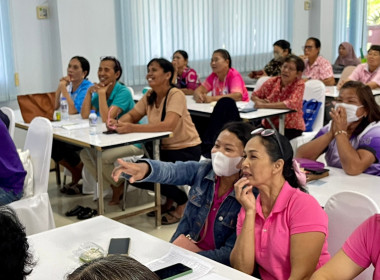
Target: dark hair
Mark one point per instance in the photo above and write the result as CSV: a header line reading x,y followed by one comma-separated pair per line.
x,y
117,65
283,44
16,260
366,98
183,53
242,130
317,43
274,151
83,63
113,267
167,66
374,48
226,55
300,65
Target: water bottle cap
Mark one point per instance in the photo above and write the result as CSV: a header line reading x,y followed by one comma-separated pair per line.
x,y
63,98
92,111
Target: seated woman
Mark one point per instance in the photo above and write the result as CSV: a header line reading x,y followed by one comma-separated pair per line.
x,y
185,78
317,67
224,80
369,73
359,251
110,99
346,57
284,92
209,221
284,231
165,107
73,87
352,139
12,173
281,49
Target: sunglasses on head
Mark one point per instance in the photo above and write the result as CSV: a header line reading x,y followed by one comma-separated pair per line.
x,y
266,133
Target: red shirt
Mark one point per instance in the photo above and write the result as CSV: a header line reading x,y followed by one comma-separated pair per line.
x,y
291,95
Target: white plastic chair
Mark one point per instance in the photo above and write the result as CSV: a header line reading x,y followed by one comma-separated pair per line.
x,y
35,212
260,81
345,74
132,92
11,116
346,211
314,89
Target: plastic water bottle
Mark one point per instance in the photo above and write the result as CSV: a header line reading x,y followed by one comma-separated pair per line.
x,y
64,109
93,120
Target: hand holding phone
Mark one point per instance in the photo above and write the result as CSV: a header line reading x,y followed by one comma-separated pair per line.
x,y
173,271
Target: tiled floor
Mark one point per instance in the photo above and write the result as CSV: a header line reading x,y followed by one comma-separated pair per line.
x,y
61,203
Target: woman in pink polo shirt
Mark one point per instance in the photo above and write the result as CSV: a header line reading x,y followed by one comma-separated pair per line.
x,y
223,80
359,251
283,232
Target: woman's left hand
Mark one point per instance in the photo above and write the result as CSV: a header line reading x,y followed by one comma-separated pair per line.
x,y
123,127
244,194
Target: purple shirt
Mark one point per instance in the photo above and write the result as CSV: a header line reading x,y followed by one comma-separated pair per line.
x,y
368,140
12,173
362,74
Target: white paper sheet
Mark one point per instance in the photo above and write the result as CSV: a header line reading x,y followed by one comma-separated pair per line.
x,y
200,268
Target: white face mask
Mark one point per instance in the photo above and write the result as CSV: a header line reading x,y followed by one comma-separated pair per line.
x,y
350,111
224,165
276,56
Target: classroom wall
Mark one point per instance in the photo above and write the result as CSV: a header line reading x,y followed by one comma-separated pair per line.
x,y
42,48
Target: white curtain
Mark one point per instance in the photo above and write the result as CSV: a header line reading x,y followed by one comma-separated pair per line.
x,y
157,28
7,85
350,24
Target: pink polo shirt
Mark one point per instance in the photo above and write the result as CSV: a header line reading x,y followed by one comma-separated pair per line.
x,y
363,245
231,84
362,74
321,69
294,212
208,243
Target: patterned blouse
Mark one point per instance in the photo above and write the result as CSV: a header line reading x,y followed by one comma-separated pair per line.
x,y
291,95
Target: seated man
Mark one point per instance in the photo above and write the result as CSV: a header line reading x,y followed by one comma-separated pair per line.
x,y
368,73
12,173
17,262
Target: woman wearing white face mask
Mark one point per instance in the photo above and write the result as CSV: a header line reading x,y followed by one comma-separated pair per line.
x,y
208,225
352,139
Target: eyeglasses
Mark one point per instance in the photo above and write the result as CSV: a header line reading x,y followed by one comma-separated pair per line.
x,y
269,132
307,47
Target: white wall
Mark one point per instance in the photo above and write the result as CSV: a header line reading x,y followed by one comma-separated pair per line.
x,y
300,27
42,48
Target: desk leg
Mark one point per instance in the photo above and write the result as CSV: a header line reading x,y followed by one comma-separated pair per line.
x,y
99,171
281,124
157,186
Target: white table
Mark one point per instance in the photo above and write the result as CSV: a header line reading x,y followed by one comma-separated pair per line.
x,y
100,142
54,248
332,91
205,110
339,181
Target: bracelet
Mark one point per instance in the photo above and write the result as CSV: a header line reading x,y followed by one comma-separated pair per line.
x,y
340,132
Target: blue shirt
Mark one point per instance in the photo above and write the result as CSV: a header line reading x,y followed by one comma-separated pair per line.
x,y
120,96
79,95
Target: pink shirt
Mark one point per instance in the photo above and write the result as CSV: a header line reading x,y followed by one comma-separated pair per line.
x,y
321,69
294,212
363,246
291,95
362,74
208,242
231,84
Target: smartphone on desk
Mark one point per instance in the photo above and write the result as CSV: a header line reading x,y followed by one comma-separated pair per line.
x,y
110,131
317,171
173,271
119,246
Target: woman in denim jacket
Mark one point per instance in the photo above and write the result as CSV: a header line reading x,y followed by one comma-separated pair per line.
x,y
208,225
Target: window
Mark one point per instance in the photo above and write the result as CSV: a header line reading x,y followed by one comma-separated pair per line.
x,y
7,87
157,28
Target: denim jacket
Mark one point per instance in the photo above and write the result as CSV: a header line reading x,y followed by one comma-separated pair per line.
x,y
201,178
